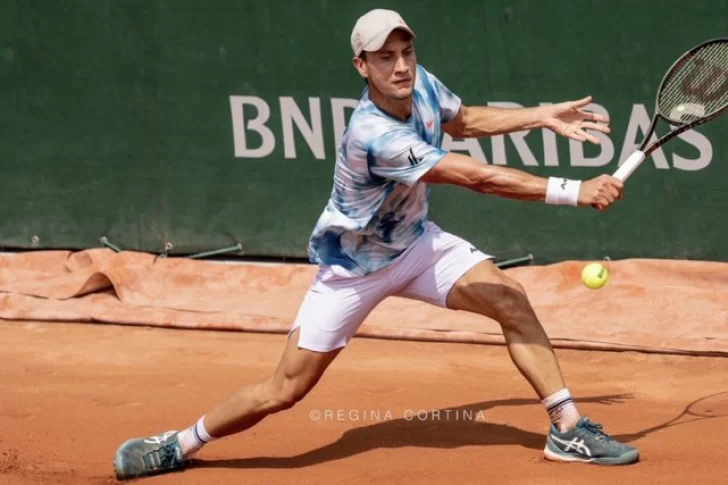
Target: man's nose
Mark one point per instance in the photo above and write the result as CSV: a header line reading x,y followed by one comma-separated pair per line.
x,y
401,64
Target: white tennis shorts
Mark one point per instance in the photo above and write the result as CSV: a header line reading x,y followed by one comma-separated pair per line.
x,y
337,303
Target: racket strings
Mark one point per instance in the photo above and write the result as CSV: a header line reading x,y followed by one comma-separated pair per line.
x,y
698,85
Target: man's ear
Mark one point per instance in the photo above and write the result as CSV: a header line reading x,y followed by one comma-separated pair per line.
x,y
361,66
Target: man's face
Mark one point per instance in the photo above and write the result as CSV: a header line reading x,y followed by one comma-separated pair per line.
x,y
392,69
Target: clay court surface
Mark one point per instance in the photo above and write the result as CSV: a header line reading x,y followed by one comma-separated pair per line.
x,y
421,396
72,392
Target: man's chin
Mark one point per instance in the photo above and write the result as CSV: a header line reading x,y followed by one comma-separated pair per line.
x,y
402,93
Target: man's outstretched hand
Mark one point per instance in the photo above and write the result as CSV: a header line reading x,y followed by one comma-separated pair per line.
x,y
569,120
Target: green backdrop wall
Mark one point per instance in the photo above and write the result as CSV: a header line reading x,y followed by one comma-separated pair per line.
x,y
205,123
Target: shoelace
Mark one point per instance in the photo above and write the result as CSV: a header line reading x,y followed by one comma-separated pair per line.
x,y
596,429
166,457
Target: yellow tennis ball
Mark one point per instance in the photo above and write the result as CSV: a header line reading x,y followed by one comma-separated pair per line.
x,y
595,275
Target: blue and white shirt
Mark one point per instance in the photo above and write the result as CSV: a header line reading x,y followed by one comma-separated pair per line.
x,y
377,208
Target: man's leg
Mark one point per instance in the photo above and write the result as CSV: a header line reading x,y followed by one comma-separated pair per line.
x,y
332,311
296,374
451,273
488,291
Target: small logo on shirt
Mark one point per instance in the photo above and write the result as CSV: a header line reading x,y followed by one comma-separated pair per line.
x,y
413,160
429,124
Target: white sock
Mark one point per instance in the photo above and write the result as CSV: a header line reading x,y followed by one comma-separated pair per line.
x,y
194,438
562,410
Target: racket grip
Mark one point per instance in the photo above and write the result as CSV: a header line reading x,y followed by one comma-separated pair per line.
x,y
629,165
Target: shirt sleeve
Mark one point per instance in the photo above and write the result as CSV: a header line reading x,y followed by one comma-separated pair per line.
x,y
401,155
449,102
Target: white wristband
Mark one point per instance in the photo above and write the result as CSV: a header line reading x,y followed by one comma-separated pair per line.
x,y
562,191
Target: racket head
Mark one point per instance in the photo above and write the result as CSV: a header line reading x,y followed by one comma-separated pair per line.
x,y
696,85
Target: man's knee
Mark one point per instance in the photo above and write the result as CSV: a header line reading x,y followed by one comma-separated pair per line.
x,y
512,304
507,298
298,372
287,392
496,296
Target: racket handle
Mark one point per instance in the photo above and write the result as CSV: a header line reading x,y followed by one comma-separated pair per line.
x,y
629,165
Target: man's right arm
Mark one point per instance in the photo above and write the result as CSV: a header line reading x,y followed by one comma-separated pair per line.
x,y
464,171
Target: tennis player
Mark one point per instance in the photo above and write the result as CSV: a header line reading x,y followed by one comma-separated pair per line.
x,y
374,240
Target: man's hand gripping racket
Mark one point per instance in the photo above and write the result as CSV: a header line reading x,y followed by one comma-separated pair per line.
x,y
693,91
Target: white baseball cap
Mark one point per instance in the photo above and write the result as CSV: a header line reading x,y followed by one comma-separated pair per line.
x,y
372,29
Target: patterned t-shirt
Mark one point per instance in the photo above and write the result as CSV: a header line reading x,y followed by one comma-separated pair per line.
x,y
377,207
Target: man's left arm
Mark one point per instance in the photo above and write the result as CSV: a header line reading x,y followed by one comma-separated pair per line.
x,y
567,119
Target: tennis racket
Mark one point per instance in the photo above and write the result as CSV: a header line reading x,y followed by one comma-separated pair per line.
x,y
693,91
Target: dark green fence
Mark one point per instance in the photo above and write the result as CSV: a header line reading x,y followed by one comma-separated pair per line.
x,y
211,124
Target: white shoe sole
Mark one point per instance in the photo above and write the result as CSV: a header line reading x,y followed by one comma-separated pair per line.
x,y
625,459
